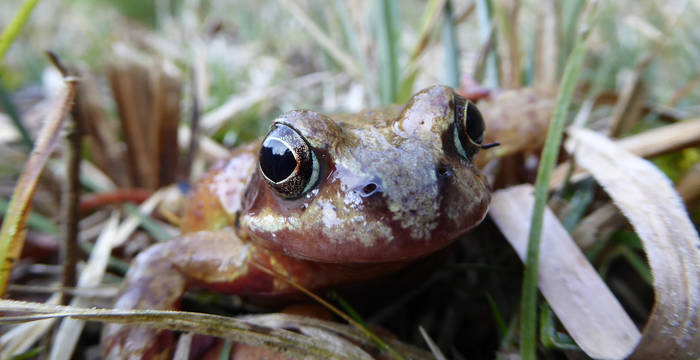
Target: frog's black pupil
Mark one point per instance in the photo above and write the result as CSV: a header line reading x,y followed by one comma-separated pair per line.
x,y
276,160
475,124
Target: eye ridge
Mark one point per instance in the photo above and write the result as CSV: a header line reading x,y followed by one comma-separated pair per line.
x,y
289,180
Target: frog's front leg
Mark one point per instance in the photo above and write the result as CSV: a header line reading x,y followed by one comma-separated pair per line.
x,y
216,260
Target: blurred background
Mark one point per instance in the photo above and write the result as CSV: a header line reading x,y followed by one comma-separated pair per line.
x,y
365,53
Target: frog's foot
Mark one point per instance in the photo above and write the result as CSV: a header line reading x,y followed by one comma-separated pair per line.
x,y
152,283
216,260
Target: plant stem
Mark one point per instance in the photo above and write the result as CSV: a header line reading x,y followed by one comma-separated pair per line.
x,y
451,47
548,159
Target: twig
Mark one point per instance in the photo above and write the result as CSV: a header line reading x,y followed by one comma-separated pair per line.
x,y
194,139
68,251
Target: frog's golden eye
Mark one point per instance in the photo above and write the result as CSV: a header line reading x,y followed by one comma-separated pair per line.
x,y
468,127
287,162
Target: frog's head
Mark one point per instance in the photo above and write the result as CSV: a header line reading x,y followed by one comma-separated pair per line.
x,y
387,185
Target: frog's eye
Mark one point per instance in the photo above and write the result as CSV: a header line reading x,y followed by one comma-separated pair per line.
x,y
287,162
469,127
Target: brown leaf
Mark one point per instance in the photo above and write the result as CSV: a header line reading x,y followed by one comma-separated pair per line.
x,y
517,119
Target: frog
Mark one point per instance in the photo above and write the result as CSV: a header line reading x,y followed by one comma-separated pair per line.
x,y
320,201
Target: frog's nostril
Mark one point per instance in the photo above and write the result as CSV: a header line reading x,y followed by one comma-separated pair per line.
x,y
369,189
443,172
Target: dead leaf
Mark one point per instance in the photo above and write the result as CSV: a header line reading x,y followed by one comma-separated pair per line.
x,y
648,200
584,304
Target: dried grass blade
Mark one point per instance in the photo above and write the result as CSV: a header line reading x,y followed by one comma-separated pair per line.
x,y
165,109
184,344
628,110
647,198
129,82
688,186
599,224
322,39
213,325
546,63
288,321
506,14
21,337
654,142
663,140
102,139
208,148
431,344
484,57
13,227
684,91
91,275
212,120
432,12
572,287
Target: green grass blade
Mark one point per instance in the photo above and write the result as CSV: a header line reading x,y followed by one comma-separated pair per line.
x,y
578,204
633,259
449,35
226,350
349,31
13,113
388,38
497,316
549,335
570,15
32,353
148,223
528,326
350,34
34,221
355,316
484,14
13,28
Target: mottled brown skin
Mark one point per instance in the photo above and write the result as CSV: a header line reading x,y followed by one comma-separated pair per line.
x,y
392,188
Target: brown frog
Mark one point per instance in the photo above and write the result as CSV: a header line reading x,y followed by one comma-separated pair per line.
x,y
320,201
